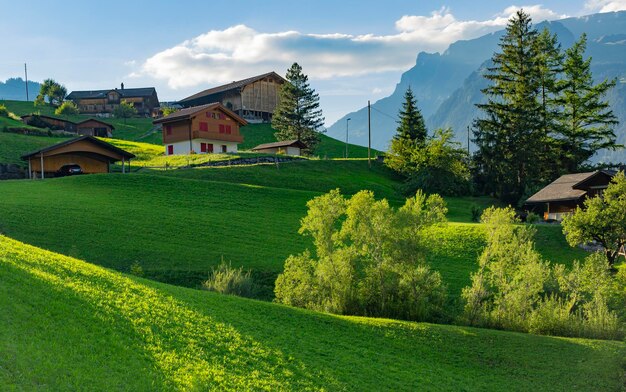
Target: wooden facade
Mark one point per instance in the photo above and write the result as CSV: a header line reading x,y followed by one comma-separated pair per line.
x,y
288,147
53,123
145,100
91,154
253,99
192,130
93,127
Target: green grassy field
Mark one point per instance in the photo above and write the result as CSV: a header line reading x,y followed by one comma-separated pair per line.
x,y
70,325
12,146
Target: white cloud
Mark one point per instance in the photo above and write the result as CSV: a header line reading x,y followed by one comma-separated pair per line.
x,y
605,5
220,56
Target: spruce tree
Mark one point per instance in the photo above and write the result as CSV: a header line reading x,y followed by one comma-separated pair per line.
x,y
587,121
298,115
509,135
411,123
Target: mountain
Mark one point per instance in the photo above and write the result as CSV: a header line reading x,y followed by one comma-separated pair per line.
x,y
448,85
14,89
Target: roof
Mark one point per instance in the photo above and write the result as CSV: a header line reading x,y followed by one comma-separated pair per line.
x,y
285,143
49,117
231,86
98,121
78,139
565,188
127,92
187,113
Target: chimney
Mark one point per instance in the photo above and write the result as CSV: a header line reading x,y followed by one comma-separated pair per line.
x,y
122,85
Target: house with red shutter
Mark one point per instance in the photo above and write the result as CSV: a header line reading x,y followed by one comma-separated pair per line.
x,y
210,128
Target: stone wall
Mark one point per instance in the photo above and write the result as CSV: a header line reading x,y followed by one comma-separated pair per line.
x,y
10,171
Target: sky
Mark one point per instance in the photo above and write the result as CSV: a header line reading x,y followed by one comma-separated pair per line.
x,y
352,51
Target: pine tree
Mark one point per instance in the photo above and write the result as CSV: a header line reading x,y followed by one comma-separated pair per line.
x,y
298,116
509,136
587,122
411,123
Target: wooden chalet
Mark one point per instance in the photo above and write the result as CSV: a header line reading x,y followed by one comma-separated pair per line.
x,y
287,147
42,121
253,99
91,154
144,99
201,129
566,193
93,127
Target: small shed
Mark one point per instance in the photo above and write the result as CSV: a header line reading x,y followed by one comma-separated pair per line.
x,y
287,147
93,127
42,121
91,154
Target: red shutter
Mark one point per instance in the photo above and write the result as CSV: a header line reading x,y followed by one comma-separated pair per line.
x,y
210,147
170,150
221,128
204,126
228,129
168,129
202,147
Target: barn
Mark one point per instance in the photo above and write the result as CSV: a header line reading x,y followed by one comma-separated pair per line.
x,y
287,147
93,127
91,154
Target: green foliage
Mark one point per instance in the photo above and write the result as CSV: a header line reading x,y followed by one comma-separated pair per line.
x,y
411,122
476,212
67,108
298,115
136,269
225,279
532,218
125,110
602,220
167,110
51,92
4,112
369,258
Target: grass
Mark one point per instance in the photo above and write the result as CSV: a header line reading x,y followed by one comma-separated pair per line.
x,y
70,325
13,146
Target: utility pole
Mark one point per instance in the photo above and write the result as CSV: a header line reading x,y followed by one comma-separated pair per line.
x,y
369,135
26,77
468,140
347,122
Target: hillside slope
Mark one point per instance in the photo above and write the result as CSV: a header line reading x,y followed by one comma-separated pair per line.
x,y
70,325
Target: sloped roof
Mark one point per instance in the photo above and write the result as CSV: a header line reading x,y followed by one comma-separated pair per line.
x,y
231,86
91,139
48,117
127,92
187,113
285,143
564,188
98,121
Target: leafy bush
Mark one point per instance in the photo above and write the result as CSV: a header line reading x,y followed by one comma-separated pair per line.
x,y
136,269
476,212
532,218
228,280
4,112
67,108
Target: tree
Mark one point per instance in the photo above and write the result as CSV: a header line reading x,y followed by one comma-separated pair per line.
x,y
167,110
509,136
298,115
411,123
67,108
587,122
603,219
124,110
52,92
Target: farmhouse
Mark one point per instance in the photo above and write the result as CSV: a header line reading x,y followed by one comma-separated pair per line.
x,y
287,147
144,99
93,127
253,99
91,154
569,191
41,121
201,129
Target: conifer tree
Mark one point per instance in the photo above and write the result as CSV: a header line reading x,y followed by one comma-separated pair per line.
x,y
411,122
587,121
298,115
509,135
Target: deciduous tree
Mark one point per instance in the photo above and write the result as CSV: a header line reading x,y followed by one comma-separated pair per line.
x,y
52,92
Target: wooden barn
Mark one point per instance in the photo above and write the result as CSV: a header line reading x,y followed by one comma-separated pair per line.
x,y
287,147
42,121
562,196
144,99
91,154
253,99
93,127
201,129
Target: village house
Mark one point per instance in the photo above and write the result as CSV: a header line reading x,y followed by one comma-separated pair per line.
x,y
201,129
144,99
287,147
253,99
93,127
566,193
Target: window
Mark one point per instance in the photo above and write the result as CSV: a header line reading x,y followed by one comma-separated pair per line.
x,y
202,147
168,129
170,150
204,127
224,149
209,147
227,129
208,115
222,128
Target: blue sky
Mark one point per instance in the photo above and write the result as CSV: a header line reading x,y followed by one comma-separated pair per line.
x,y
352,50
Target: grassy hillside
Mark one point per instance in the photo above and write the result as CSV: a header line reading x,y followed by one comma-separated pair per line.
x,y
12,146
70,325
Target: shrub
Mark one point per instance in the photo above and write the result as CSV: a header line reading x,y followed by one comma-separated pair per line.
x,y
136,269
67,108
4,112
532,218
225,279
476,212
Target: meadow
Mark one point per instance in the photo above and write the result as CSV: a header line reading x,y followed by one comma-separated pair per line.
x,y
71,325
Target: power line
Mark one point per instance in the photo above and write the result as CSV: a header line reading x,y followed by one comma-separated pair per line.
x,y
384,114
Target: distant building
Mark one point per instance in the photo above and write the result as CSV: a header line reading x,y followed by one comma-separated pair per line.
x,y
201,129
253,99
42,121
145,100
93,127
288,147
566,193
